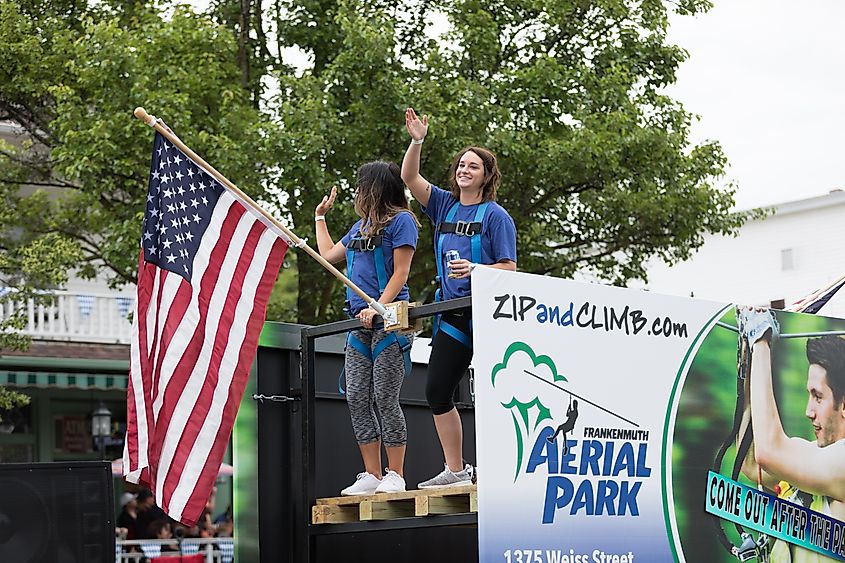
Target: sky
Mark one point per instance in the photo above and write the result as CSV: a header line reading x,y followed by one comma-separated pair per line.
x,y
767,79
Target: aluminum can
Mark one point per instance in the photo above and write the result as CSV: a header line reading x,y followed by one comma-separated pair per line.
x,y
451,255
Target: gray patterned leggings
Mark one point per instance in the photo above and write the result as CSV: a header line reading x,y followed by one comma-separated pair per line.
x,y
375,385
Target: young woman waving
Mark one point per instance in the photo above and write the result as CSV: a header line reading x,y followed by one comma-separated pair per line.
x,y
471,230
378,250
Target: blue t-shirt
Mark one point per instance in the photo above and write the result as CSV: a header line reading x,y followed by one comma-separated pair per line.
x,y
498,237
400,231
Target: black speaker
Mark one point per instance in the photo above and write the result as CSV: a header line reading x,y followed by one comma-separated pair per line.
x,y
57,512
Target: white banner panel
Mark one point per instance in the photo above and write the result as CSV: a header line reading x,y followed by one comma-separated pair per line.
x,y
578,388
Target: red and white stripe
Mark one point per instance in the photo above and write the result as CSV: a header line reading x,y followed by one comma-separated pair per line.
x,y
192,348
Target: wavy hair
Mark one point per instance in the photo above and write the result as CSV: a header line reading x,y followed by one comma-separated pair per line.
x,y
492,175
380,196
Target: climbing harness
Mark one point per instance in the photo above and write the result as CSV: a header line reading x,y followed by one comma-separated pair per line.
x,y
374,245
748,549
473,230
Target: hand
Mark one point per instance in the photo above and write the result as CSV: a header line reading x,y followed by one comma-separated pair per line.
x,y
366,317
757,324
417,128
327,203
460,268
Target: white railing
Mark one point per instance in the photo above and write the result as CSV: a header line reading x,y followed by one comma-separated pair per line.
x,y
77,317
216,550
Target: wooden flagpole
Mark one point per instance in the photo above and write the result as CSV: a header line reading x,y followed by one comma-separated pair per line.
x,y
156,124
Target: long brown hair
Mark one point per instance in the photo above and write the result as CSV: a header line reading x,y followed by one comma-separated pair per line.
x,y
492,175
380,196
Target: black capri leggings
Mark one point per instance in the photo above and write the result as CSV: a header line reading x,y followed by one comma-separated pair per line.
x,y
447,364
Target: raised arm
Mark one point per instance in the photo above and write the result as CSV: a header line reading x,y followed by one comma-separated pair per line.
x,y
805,465
328,249
750,468
417,129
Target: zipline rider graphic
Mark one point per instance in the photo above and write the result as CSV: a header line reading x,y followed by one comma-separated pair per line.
x,y
568,425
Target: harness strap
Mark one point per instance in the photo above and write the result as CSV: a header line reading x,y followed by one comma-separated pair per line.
x,y
456,333
404,344
461,228
475,240
381,270
374,245
366,245
438,242
472,230
359,346
382,346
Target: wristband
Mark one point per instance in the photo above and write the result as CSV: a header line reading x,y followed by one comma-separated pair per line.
x,y
417,141
319,217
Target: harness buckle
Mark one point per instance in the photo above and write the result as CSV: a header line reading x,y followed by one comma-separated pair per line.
x,y
367,244
462,228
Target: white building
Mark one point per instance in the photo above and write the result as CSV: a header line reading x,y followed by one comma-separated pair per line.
x,y
794,251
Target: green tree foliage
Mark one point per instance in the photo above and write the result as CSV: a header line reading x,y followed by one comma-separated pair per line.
x,y
598,170
73,183
73,88
599,173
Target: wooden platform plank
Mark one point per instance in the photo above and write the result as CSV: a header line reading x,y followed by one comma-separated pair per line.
x,y
447,505
464,489
389,509
328,514
389,506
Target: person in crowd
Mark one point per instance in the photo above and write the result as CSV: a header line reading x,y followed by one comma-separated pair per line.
x,y
378,250
161,530
805,472
205,527
128,515
148,512
224,516
471,230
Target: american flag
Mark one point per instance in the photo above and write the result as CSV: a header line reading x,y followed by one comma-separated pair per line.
x,y
207,264
828,301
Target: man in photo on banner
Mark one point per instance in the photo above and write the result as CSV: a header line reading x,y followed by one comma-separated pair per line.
x,y
811,474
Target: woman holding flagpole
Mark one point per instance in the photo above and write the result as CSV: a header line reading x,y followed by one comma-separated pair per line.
x,y
378,250
471,229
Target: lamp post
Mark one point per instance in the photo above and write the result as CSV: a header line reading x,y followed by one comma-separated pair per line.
x,y
101,427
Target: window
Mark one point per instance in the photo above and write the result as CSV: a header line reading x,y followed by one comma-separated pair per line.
x,y
17,435
17,420
786,260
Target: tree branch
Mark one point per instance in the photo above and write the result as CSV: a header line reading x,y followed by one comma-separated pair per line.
x,y
567,189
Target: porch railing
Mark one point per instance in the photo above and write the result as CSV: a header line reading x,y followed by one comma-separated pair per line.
x,y
215,550
74,316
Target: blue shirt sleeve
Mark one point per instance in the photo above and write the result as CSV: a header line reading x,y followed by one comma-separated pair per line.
x,y
439,202
502,233
404,231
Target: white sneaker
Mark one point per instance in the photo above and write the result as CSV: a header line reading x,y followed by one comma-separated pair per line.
x,y
448,478
391,483
365,484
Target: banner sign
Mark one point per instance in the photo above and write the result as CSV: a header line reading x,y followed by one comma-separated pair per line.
x,y
778,518
607,421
